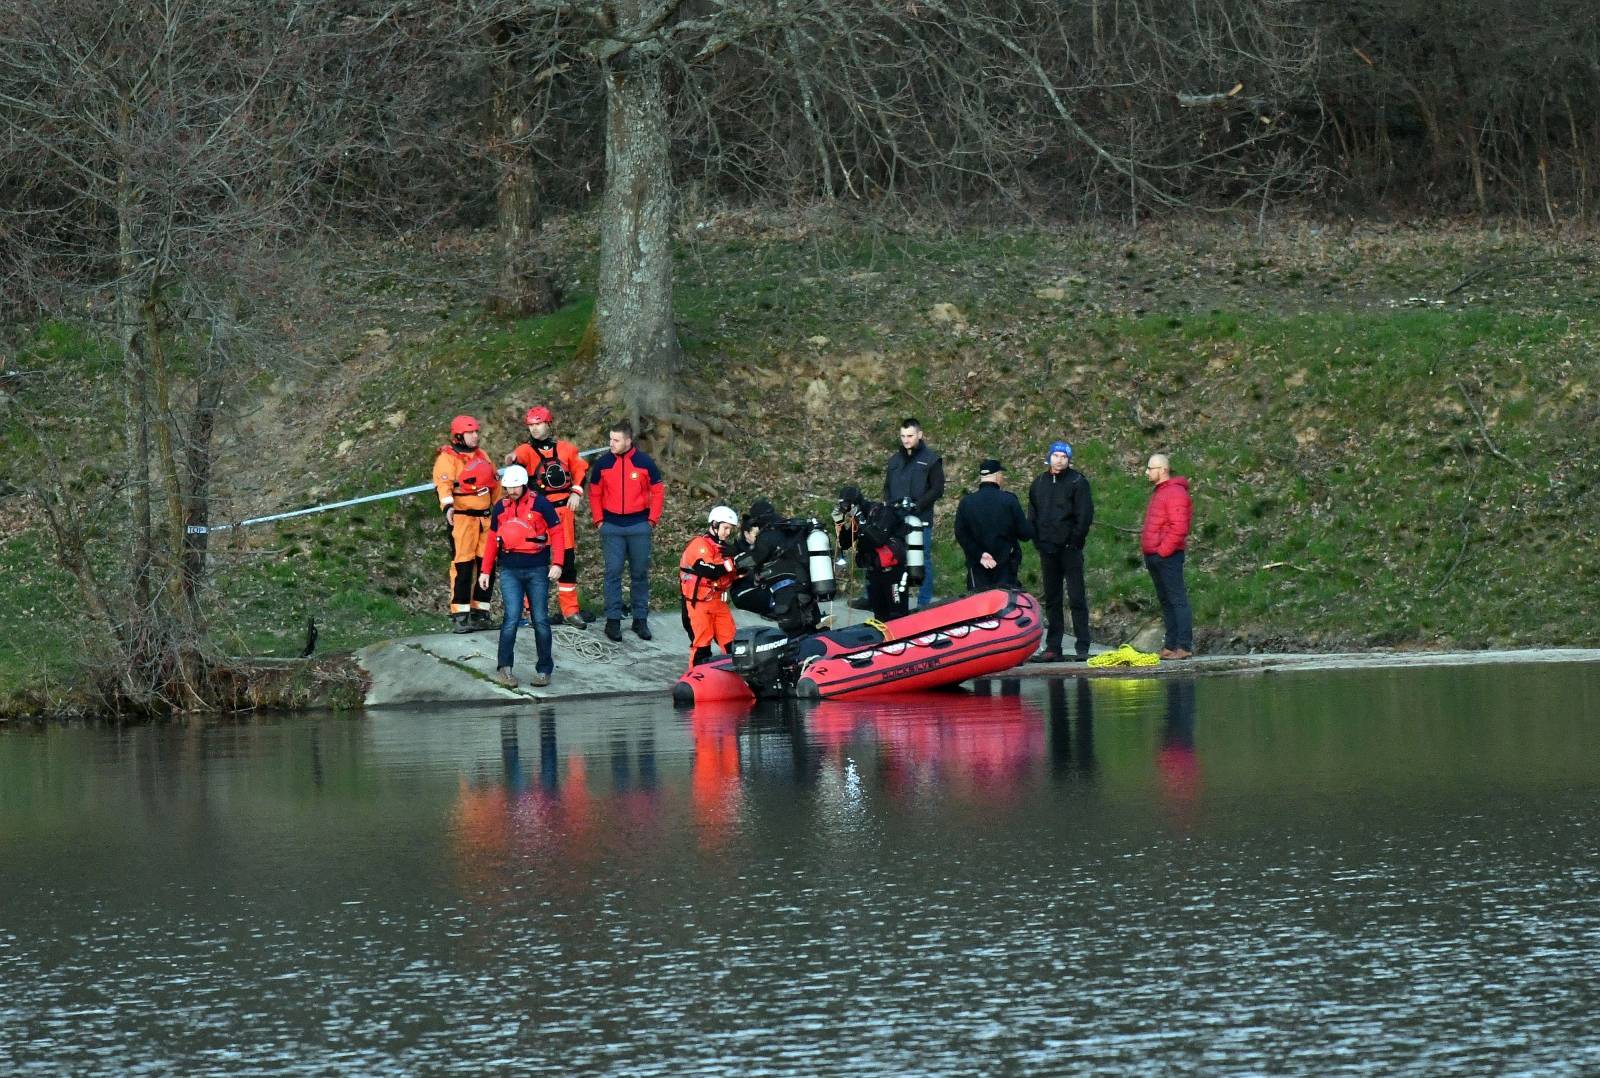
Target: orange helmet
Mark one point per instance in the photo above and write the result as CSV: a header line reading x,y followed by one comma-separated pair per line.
x,y
461,424
537,414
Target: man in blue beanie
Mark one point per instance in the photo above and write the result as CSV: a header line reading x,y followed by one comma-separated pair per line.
x,y
1061,510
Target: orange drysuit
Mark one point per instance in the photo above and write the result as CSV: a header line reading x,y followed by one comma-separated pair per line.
x,y
558,484
705,573
466,482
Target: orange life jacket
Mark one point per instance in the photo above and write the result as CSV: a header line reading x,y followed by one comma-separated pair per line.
x,y
465,477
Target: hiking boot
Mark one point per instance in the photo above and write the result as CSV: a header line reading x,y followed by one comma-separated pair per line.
x,y
614,630
641,629
458,624
576,621
539,681
480,620
1046,657
505,677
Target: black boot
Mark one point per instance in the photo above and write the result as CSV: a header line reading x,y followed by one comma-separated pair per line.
x,y
458,624
641,629
614,630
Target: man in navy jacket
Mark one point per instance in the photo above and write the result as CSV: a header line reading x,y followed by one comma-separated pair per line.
x,y
1061,510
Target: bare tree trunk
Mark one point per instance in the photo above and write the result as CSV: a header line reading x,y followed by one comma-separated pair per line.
x,y
197,506
633,315
521,287
136,428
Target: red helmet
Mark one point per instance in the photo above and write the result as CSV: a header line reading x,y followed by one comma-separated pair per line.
x,y
538,414
461,424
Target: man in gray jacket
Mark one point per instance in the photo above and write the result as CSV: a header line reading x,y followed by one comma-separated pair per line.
x,y
1061,511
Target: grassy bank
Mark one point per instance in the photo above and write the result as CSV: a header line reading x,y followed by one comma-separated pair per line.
x,y
1386,431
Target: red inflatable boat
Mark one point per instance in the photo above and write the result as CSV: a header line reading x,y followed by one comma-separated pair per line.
x,y
939,645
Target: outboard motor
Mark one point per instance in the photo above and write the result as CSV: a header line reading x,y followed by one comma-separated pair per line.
x,y
819,557
763,657
916,555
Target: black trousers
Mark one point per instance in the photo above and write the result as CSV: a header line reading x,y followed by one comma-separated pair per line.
x,y
886,591
1003,575
1059,564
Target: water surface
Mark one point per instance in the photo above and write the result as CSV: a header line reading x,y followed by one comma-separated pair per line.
x,y
1359,871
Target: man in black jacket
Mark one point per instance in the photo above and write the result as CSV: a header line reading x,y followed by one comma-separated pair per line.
x,y
916,474
1061,511
990,528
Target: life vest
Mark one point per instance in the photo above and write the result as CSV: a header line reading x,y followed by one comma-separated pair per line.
x,y
694,587
554,468
521,528
477,474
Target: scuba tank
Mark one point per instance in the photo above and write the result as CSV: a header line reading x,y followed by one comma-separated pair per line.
x,y
819,559
916,555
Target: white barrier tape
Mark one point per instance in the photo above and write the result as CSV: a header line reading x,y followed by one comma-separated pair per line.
x,y
202,529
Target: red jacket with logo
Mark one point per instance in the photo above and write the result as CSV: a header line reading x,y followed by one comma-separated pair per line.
x,y
625,489
1166,519
524,533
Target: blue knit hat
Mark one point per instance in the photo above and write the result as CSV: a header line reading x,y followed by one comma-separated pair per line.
x,y
1058,447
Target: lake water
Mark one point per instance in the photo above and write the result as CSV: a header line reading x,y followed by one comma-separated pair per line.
x,y
1319,873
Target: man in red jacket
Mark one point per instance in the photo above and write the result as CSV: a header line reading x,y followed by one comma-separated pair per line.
x,y
625,499
1165,532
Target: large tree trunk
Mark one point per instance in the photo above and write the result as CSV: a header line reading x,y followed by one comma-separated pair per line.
x,y
638,344
522,287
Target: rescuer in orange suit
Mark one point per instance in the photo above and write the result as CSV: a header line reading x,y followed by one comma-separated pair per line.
x,y
556,471
705,573
467,484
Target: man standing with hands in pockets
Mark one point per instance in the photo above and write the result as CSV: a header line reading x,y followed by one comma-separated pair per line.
x,y
1163,538
1061,510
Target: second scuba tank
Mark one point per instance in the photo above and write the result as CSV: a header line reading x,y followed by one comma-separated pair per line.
x,y
916,554
819,558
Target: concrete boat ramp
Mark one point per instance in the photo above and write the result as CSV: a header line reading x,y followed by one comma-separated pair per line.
x,y
446,668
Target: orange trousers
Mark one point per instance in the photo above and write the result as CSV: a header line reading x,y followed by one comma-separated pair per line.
x,y
468,537
709,621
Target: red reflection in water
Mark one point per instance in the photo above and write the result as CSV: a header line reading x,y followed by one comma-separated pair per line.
x,y
714,790
976,745
1177,764
510,819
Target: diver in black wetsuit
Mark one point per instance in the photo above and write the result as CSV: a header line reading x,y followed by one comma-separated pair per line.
x,y
771,560
878,532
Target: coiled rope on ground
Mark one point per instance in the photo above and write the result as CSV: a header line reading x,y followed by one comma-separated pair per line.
x,y
591,647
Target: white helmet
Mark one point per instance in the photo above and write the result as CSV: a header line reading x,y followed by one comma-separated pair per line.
x,y
723,515
515,475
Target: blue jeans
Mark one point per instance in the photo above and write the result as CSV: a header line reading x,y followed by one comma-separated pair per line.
x,y
925,593
534,586
630,541
1174,599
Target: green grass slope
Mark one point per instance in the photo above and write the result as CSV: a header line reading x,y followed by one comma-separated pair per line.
x,y
1387,432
